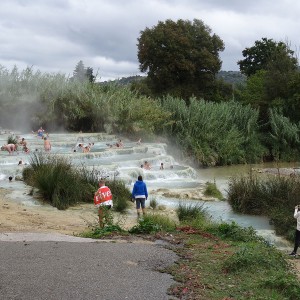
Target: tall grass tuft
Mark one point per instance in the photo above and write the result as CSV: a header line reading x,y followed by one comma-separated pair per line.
x,y
56,180
274,196
212,191
121,195
152,223
253,256
12,140
189,212
153,203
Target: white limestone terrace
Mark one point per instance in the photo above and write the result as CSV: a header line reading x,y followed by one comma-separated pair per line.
x,y
180,181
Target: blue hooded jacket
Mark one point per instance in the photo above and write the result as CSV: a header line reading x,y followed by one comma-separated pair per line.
x,y
139,190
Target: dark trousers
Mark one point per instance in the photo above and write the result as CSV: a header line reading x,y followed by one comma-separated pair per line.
x,y
297,241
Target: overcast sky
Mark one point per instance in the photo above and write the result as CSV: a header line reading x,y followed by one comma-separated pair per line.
x,y
54,35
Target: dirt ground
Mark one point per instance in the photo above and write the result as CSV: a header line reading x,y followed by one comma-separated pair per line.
x,y
16,217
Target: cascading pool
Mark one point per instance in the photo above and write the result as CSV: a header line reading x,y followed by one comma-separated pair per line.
x,y
177,182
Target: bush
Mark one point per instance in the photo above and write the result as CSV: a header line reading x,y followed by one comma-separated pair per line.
x,y
98,232
234,232
252,256
56,180
153,223
121,195
12,140
153,203
212,190
274,196
190,212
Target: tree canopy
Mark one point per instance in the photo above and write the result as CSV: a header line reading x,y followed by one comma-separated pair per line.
x,y
179,56
82,74
266,54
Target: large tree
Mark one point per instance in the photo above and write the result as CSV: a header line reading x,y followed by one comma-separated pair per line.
x,y
265,54
180,58
83,74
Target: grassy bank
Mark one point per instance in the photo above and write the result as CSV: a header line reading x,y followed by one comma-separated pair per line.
x,y
216,260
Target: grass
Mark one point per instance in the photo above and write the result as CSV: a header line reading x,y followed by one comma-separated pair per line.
x,y
153,203
211,190
273,196
12,140
152,223
189,212
108,230
213,268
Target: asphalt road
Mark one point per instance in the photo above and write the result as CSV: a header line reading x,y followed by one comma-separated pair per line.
x,y
53,266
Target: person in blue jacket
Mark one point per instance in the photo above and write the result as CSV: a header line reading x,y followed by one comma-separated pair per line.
x,y
140,195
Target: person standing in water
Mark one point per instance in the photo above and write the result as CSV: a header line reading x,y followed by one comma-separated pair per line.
x,y
140,195
103,201
297,233
10,148
47,144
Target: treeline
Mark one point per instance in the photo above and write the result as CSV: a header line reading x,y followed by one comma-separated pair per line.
x,y
212,133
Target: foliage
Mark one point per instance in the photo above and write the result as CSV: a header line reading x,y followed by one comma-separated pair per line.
x,y
188,212
214,133
121,195
284,136
179,57
83,74
108,230
285,284
274,196
152,223
153,203
262,54
234,232
212,190
230,267
56,180
12,140
254,256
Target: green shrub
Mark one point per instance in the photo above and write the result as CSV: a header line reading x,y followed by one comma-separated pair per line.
x,y
234,232
12,140
190,212
253,256
57,181
284,283
121,195
274,196
98,232
153,223
153,203
212,191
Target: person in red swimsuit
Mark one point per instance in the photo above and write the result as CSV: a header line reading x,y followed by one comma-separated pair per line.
x,y
103,201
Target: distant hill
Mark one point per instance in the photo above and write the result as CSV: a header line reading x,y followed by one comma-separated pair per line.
x,y
233,77
125,80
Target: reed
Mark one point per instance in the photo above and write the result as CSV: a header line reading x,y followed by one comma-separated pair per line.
x,y
214,133
212,190
189,212
153,223
274,196
58,183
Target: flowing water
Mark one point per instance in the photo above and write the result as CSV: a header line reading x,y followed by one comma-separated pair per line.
x,y
176,182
